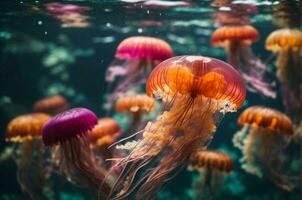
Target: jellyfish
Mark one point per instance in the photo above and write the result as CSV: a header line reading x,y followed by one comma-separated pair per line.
x,y
104,134
69,132
262,139
196,91
237,41
288,44
213,167
51,105
135,58
25,131
137,106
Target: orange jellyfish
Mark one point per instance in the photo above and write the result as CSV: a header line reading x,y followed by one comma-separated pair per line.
x,y
102,136
52,105
237,41
213,166
262,139
288,44
135,58
195,91
137,106
25,131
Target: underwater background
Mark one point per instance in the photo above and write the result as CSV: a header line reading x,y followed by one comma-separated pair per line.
x,y
45,53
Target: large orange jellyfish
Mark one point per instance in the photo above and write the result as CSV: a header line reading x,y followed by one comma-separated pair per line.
x,y
67,133
26,130
135,58
102,136
136,105
52,105
213,167
195,91
237,41
288,44
264,135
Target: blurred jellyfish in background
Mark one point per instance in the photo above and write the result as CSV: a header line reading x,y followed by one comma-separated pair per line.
x,y
135,58
136,106
51,105
67,134
104,134
70,15
25,132
196,91
287,43
264,135
213,167
237,39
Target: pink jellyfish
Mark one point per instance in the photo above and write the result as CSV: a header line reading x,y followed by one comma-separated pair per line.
x,y
69,130
135,58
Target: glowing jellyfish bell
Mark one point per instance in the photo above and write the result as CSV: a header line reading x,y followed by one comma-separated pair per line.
x,y
193,89
102,136
213,166
52,105
263,136
237,41
26,131
135,58
136,106
288,44
69,130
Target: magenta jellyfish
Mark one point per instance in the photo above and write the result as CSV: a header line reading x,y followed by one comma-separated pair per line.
x,y
135,58
69,130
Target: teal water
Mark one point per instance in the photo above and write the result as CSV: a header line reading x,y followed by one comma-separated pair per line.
x,y
43,54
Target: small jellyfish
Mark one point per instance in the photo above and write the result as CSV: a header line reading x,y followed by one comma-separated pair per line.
x,y
69,130
237,41
25,131
137,106
194,90
288,44
213,167
51,105
135,58
262,139
102,136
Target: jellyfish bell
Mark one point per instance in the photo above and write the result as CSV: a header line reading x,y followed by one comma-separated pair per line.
x,y
70,130
288,44
25,132
135,57
213,166
136,106
237,41
262,139
102,136
193,89
52,105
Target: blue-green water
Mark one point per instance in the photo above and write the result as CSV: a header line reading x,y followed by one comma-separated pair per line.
x,y
43,54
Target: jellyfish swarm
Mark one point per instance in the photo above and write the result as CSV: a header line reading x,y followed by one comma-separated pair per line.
x,y
264,135
135,58
104,134
25,132
69,130
51,105
213,167
137,106
288,44
237,41
193,89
